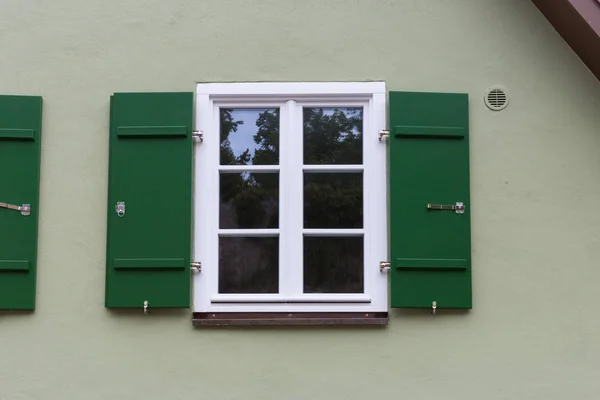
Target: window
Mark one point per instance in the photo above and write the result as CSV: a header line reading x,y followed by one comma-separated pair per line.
x,y
290,198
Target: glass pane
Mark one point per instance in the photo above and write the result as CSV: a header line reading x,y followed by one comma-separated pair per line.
x,y
333,200
248,265
249,136
333,265
249,200
333,135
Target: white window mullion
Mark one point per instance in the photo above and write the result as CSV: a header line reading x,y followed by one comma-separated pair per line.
x,y
294,157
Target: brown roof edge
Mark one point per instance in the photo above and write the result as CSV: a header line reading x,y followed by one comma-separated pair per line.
x,y
578,22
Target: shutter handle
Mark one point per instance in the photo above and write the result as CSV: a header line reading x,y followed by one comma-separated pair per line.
x,y
24,208
459,207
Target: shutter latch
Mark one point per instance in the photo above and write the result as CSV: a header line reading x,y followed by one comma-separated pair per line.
x,y
24,208
459,207
383,133
198,135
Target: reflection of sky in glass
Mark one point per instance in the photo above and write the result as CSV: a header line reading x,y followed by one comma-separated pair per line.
x,y
243,139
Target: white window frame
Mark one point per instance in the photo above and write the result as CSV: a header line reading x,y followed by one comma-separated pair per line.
x,y
290,96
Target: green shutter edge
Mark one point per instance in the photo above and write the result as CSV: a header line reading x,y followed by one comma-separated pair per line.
x,y
20,153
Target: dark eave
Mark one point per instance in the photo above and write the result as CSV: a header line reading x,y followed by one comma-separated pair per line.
x,y
578,22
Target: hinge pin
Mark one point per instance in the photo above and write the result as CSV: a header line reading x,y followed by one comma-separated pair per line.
x,y
383,133
198,135
197,266
145,306
385,266
433,307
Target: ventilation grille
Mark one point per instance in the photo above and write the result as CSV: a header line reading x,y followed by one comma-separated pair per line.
x,y
496,99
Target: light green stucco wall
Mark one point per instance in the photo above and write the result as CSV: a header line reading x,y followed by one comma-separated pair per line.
x,y
534,330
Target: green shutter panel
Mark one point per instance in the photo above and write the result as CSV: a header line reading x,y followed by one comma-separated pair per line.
x,y
429,165
20,138
150,173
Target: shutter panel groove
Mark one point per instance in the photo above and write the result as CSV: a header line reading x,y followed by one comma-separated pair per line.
x,y
429,164
150,171
20,145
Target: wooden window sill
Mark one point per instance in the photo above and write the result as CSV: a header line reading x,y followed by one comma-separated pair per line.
x,y
289,319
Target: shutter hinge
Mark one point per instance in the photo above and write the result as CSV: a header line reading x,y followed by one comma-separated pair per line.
x,y
198,135
385,266
24,208
197,266
383,133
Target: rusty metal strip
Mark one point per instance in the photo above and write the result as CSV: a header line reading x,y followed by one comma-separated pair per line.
x,y
288,319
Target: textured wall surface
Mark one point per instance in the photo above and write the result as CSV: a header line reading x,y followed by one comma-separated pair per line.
x,y
533,332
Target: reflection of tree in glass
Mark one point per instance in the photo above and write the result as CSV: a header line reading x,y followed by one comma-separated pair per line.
x,y
255,196
333,265
331,136
250,200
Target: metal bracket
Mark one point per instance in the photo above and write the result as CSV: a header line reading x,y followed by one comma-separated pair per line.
x,y
385,266
120,208
459,207
24,208
198,135
197,266
383,133
433,307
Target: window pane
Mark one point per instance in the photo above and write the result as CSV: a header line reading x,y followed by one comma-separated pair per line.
x,y
333,200
333,135
333,265
249,200
248,265
249,136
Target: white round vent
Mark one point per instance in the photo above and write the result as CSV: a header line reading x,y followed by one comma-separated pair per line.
x,y
496,98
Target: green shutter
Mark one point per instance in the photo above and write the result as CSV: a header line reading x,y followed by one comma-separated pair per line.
x,y
20,138
150,171
429,164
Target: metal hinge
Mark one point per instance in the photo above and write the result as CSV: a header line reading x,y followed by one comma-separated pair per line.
x,y
383,133
24,208
385,266
198,135
196,266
